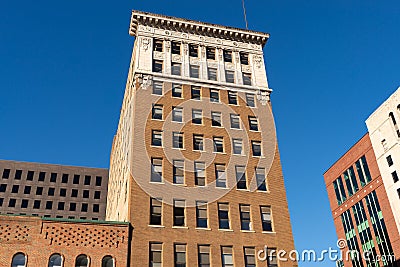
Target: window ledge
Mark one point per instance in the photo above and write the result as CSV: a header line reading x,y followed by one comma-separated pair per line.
x,y
177,148
157,119
247,231
225,230
219,187
244,190
206,229
254,131
180,227
267,232
177,121
221,153
263,191
240,155
156,182
240,129
156,226
183,185
157,146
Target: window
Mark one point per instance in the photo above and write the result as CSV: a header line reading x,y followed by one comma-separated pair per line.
x,y
271,258
193,50
244,58
395,177
229,76
247,78
197,116
98,180
214,95
18,174
204,256
178,171
3,188
223,215
50,192
200,173
260,178
235,121
216,119
87,180
351,181
24,203
201,214
157,88
212,74
72,206
256,147
39,191
6,173
363,171
253,123
175,68
210,51
250,101
241,177
1,201
177,114
76,179
63,192
61,205
245,221
266,220
176,48
196,92
107,261
155,254
237,146
155,211
228,56
64,178
158,45
177,140
194,71
36,204
339,190
389,160
232,98
12,202
156,170
27,190
42,176
19,260
180,255
85,194
82,261
218,144
49,205
29,175
74,193
97,194
156,138
15,189
250,257
179,212
157,112
227,257
176,90
84,207
220,175
158,66
198,142
96,208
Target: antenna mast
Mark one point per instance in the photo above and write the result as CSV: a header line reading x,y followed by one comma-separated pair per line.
x,y
245,16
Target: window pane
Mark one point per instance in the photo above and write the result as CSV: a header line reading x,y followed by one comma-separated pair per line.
x,y
212,74
237,146
193,50
232,98
196,92
210,53
176,90
194,71
177,114
235,121
250,100
158,45
230,76
246,78
157,66
176,68
197,116
214,95
216,119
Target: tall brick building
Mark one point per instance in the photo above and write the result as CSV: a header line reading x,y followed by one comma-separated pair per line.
x,y
195,166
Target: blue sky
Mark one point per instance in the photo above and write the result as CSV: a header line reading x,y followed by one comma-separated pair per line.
x,y
63,67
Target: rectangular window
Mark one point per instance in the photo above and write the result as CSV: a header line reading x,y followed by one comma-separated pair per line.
x,y
232,98
196,92
204,256
156,170
389,160
87,180
72,206
177,114
201,214
176,68
216,119
395,177
235,121
39,191
177,140
197,116
227,257
245,220
247,78
53,177
27,190
272,259
155,211
351,181
85,194
3,188
180,255
29,175
198,142
24,203
156,138
210,51
223,215
220,175
212,74
193,50
76,179
241,182
36,204
194,71
363,171
1,201
230,76
260,178
97,194
179,171
250,257
179,212
63,192
250,100
266,218
256,147
253,123
158,45
157,88
157,112
214,95
64,178
237,146
176,90
158,66
50,192
84,207
61,205
98,180
74,193
200,173
244,58
176,48
155,255
6,173
18,174
15,189
49,205
339,190
12,202
218,144
228,56
42,176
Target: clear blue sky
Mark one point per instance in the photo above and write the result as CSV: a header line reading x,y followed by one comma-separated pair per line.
x,y
63,67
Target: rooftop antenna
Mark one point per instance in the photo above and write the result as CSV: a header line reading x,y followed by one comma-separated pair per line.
x,y
245,16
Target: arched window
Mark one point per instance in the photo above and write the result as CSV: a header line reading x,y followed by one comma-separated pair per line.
x,y
82,261
107,261
19,260
55,260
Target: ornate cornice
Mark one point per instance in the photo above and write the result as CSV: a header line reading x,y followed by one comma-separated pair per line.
x,y
195,27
